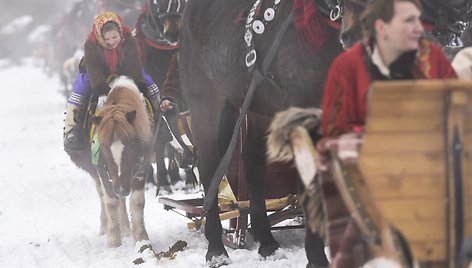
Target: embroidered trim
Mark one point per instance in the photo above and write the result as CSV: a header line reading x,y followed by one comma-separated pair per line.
x,y
423,58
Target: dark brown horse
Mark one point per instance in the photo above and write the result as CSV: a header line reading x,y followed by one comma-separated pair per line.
x,y
122,136
214,56
157,32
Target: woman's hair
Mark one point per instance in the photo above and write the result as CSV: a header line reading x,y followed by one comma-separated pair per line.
x,y
109,26
383,10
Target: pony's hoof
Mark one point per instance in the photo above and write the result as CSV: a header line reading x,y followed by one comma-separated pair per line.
x,y
145,252
114,243
217,258
102,231
268,250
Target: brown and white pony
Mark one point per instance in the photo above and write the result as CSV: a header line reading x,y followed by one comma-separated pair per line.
x,y
123,132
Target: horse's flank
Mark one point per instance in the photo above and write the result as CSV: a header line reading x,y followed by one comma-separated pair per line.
x,y
115,124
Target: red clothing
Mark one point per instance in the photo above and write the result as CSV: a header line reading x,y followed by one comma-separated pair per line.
x,y
344,102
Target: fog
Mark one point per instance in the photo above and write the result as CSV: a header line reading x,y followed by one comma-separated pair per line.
x,y
42,11
25,24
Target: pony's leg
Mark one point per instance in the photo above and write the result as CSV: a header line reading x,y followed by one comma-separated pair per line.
x,y
112,204
124,220
137,215
103,214
255,162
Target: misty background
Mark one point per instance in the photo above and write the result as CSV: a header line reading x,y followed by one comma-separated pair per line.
x,y
24,24
53,32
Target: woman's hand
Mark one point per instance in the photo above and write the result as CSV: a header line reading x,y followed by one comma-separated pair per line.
x,y
166,105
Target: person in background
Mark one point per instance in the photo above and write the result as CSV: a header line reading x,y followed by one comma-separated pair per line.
x,y
110,50
393,49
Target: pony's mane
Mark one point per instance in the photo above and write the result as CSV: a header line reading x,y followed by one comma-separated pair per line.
x,y
123,98
124,81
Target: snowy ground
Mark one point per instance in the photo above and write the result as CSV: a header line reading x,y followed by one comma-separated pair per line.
x,y
49,209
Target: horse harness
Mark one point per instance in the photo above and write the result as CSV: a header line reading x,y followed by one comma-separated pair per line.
x,y
254,24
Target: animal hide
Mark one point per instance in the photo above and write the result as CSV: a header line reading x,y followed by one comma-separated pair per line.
x,y
278,141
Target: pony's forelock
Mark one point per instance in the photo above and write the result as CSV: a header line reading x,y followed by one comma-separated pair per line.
x,y
123,98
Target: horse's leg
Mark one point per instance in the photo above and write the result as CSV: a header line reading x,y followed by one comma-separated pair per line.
x,y
124,220
314,249
163,181
137,212
255,162
311,204
205,134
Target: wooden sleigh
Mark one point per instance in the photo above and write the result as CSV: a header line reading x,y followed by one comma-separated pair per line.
x,y
413,172
280,185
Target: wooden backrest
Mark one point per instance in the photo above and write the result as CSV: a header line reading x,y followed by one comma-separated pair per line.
x,y
407,159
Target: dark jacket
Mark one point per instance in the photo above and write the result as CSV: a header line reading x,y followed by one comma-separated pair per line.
x,y
98,70
171,88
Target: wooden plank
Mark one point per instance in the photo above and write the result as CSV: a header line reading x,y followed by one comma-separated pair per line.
x,y
413,107
468,176
403,142
468,226
415,209
415,230
429,250
394,124
397,98
413,163
393,186
432,86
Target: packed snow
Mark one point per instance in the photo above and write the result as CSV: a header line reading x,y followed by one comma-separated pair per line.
x,y
49,209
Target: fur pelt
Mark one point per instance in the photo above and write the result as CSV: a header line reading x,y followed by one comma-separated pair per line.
x,y
278,140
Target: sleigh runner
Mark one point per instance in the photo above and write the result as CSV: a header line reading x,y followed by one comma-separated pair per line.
x,y
412,176
281,200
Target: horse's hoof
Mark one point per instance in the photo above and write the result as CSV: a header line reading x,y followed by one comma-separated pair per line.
x,y
268,250
165,190
217,258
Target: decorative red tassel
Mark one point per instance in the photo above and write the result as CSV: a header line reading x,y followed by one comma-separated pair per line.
x,y
311,30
